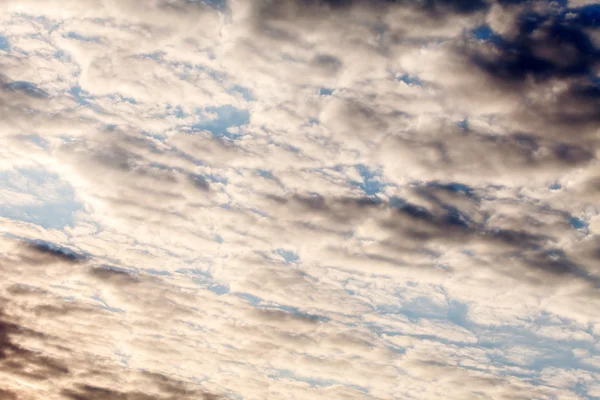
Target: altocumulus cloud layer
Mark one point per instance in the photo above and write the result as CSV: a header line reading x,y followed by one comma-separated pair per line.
x,y
299,199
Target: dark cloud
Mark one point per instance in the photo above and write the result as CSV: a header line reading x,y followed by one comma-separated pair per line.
x,y
556,262
544,46
174,389
17,360
440,8
24,290
500,156
40,252
458,6
199,182
19,90
577,109
454,188
418,227
114,275
27,88
169,389
89,392
281,316
572,155
8,395
268,13
518,239
117,158
62,309
327,63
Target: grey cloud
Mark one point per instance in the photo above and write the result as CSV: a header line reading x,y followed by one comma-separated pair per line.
x,y
285,21
24,290
114,275
546,46
186,6
20,361
170,389
443,224
174,388
536,147
61,310
41,252
432,6
494,157
89,392
34,364
283,317
28,88
327,63
199,182
556,262
9,394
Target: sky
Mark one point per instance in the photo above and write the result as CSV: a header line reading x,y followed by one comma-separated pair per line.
x,y
299,199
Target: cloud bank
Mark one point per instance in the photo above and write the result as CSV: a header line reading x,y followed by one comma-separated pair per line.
x,y
299,199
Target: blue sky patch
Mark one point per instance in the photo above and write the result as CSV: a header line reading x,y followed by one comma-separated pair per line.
x,y
265,174
244,92
54,206
587,16
410,80
577,223
220,5
28,88
4,43
226,117
288,256
483,32
119,98
486,34
37,140
157,272
81,38
459,188
255,301
313,382
105,306
62,56
218,289
260,303
81,96
176,111
454,187
371,183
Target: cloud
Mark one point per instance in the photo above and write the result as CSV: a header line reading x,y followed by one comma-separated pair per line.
x,y
299,199
22,361
47,253
168,388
